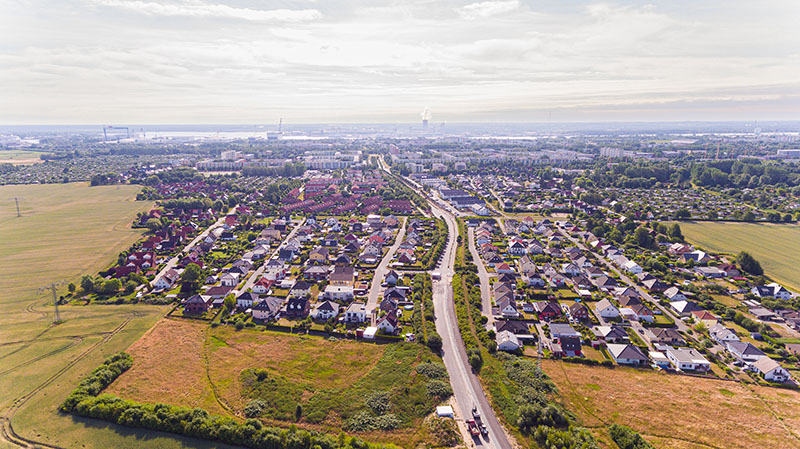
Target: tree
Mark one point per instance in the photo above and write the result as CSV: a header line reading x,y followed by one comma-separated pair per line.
x,y
153,224
675,231
749,264
230,302
643,238
87,284
749,216
192,274
298,412
112,286
682,214
71,287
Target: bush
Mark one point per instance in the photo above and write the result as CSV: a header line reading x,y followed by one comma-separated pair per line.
x,y
432,370
626,438
98,380
378,402
444,431
255,408
438,389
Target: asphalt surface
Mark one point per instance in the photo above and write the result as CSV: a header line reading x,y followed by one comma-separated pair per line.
x,y
467,389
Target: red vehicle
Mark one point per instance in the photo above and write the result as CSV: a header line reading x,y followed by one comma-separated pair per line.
x,y
473,428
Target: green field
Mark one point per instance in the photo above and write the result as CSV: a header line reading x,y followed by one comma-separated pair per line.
x,y
66,230
20,157
776,246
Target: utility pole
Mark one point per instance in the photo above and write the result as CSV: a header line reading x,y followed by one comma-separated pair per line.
x,y
16,199
57,316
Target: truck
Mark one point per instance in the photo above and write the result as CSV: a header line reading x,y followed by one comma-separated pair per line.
x,y
476,415
473,428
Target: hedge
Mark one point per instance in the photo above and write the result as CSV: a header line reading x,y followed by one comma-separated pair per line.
x,y
195,423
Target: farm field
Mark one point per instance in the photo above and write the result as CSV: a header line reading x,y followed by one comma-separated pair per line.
x,y
20,157
673,411
66,230
219,371
776,246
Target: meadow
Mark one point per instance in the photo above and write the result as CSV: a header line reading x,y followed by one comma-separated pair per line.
x,y
20,157
221,370
66,230
674,411
776,246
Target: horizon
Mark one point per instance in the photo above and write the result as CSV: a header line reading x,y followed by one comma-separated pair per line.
x,y
241,61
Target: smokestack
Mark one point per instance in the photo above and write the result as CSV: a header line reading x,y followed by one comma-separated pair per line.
x,y
426,116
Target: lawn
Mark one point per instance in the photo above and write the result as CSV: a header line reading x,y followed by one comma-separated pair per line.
x,y
66,230
680,411
219,371
776,246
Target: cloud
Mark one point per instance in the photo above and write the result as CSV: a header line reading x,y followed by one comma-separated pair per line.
x,y
488,9
196,8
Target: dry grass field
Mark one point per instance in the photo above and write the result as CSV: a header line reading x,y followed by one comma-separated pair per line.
x,y
189,363
66,230
776,246
673,411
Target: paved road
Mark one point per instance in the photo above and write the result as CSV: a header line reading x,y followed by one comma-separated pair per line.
x,y
177,258
383,268
467,388
257,274
483,275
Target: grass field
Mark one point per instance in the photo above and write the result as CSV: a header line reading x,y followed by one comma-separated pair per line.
x,y
329,379
673,411
66,230
776,246
20,157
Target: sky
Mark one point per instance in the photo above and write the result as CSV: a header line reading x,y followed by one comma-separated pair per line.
x,y
335,61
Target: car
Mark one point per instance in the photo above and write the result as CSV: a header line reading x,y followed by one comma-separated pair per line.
x,y
484,429
473,428
475,413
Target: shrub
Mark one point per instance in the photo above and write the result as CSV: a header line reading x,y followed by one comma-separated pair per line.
x,y
255,408
432,370
627,438
438,389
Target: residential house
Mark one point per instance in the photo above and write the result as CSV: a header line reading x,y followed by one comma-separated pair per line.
x,y
643,313
547,309
579,311
167,280
674,294
267,309
722,334
342,276
319,255
316,273
605,309
388,323
507,341
666,336
687,359
513,326
610,334
684,308
771,370
627,354
325,311
560,330
245,300
773,290
300,288
229,279
297,307
355,313
341,293
196,304
744,351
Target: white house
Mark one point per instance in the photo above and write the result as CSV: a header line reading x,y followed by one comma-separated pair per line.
x,y
507,341
229,279
246,299
325,311
167,280
605,309
722,334
674,294
684,359
632,267
771,370
356,313
338,293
